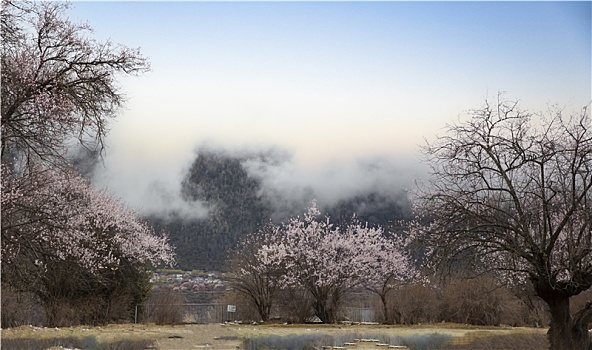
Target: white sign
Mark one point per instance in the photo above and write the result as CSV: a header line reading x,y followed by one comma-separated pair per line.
x,y
231,308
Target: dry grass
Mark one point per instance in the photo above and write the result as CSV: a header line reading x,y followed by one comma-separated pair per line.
x,y
216,336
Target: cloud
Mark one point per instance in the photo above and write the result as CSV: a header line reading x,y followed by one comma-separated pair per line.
x,y
150,186
166,203
291,188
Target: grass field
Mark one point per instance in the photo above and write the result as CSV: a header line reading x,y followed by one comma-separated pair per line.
x,y
279,337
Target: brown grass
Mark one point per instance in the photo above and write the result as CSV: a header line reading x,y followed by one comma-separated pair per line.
x,y
228,337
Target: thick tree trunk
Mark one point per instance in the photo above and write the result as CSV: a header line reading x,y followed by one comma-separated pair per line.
x,y
325,312
326,304
567,333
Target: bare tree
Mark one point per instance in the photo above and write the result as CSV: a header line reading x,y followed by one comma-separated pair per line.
x,y
513,191
383,289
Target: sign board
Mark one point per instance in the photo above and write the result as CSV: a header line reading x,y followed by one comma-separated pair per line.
x,y
231,308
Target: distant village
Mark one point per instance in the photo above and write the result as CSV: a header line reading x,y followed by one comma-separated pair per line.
x,y
196,286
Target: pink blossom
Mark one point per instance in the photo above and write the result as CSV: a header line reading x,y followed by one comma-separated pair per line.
x,y
60,214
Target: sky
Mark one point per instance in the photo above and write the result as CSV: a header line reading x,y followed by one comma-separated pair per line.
x,y
334,84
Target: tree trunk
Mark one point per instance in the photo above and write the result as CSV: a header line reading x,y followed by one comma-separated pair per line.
x,y
264,309
385,309
567,333
326,304
324,312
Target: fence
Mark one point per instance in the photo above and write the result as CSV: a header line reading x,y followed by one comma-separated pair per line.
x,y
358,314
218,313
187,313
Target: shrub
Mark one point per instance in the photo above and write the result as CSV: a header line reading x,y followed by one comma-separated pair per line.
x,y
20,308
245,311
503,342
287,342
39,343
415,303
423,341
480,301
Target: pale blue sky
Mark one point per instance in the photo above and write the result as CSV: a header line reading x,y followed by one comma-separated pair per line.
x,y
329,81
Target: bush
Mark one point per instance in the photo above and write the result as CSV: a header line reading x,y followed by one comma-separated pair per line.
x,y
245,310
73,296
423,341
477,301
480,301
39,343
503,342
287,342
415,303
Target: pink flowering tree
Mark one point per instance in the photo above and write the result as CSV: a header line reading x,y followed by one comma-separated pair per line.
x,y
328,261
513,192
58,84
62,240
74,247
63,211
54,221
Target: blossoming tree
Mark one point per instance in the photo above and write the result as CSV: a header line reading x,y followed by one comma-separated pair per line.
x,y
55,219
62,240
513,190
328,261
392,269
58,84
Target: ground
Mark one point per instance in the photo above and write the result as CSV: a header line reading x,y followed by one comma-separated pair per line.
x,y
229,337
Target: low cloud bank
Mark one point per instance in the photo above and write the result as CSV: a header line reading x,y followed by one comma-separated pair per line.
x,y
155,189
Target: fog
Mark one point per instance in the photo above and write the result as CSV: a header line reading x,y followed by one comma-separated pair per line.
x,y
291,187
153,186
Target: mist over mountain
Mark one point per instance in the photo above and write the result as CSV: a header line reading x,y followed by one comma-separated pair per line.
x,y
242,190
